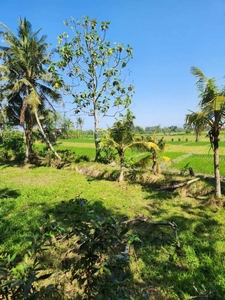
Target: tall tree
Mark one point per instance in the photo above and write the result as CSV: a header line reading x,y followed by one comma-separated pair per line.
x,y
95,68
212,113
28,87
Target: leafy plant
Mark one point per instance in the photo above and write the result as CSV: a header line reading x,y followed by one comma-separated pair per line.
x,y
18,279
13,144
121,137
100,268
107,155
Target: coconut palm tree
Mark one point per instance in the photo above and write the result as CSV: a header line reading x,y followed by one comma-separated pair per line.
x,y
212,113
79,123
28,86
121,138
197,123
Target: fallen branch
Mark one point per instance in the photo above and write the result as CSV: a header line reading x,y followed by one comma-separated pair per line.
x,y
171,224
178,185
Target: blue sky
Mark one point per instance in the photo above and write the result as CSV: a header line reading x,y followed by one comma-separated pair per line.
x,y
167,37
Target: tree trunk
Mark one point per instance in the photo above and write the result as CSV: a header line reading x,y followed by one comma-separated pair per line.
x,y
97,146
196,137
45,137
155,165
28,143
214,139
121,177
27,127
216,169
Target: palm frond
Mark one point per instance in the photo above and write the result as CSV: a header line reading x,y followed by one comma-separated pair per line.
x,y
143,162
33,100
48,92
206,86
7,29
201,79
46,77
25,63
142,145
218,102
109,142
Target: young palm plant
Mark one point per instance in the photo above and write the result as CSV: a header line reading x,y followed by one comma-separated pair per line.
x,y
212,113
28,87
121,138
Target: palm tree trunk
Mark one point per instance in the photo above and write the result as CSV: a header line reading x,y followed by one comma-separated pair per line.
x,y
216,168
155,168
28,143
214,139
45,136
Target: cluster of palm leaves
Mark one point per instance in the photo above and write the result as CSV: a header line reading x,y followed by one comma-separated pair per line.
x,y
27,88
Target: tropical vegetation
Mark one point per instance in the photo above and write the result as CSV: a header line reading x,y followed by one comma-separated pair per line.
x,y
212,113
27,85
123,213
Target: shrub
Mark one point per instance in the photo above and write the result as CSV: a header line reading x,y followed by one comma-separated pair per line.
x,y
80,158
107,155
101,268
19,278
12,145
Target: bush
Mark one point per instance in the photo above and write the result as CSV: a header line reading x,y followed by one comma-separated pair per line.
x,y
80,158
12,145
99,264
107,155
19,278
101,268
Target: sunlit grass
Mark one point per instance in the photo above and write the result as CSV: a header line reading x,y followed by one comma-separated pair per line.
x,y
28,196
201,164
196,269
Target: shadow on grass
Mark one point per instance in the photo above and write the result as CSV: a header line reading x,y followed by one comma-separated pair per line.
x,y
8,193
13,163
92,238
74,222
194,270
160,270
7,205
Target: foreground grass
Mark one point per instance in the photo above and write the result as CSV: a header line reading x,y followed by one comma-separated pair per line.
x,y
28,194
159,268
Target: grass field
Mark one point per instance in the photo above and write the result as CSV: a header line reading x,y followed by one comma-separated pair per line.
x,y
32,198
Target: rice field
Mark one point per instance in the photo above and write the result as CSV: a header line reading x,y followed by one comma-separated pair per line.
x,y
182,150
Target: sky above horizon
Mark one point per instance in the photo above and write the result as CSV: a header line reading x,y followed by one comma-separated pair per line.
x,y
168,37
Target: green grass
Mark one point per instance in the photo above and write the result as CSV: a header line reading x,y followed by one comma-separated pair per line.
x,y
29,193
78,148
78,140
201,164
197,269
30,197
